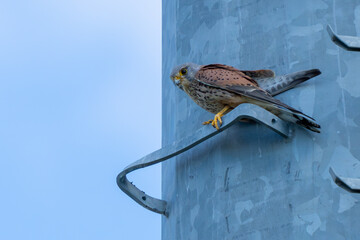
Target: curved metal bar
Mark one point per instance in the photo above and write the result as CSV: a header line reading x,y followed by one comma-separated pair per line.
x,y
349,43
349,184
243,111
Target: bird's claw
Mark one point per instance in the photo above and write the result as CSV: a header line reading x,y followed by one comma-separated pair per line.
x,y
207,122
214,122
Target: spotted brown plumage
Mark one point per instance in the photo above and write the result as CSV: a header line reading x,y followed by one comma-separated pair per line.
x,y
220,88
223,75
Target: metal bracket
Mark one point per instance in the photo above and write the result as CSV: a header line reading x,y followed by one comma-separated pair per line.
x,y
349,184
243,111
349,43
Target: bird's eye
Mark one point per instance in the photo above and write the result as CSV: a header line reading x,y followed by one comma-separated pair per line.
x,y
183,71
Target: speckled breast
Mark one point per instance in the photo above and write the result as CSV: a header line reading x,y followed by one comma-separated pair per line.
x,y
211,99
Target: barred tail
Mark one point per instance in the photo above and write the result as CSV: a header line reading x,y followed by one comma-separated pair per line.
x,y
300,119
279,84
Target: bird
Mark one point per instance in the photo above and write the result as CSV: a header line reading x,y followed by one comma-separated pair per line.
x,y
220,88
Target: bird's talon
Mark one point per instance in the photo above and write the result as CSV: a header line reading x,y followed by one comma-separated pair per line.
x,y
207,122
217,119
215,123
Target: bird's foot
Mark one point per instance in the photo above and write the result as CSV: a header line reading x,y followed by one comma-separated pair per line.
x,y
217,118
214,122
207,122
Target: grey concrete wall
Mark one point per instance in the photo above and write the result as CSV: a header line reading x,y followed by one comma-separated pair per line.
x,y
249,182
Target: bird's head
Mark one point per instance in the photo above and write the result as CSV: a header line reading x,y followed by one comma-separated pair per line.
x,y
184,74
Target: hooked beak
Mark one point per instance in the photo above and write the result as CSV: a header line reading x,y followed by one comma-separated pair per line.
x,y
177,80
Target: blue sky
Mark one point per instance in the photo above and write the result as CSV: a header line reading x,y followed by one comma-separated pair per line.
x,y
70,121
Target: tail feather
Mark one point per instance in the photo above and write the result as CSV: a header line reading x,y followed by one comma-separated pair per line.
x,y
307,123
300,119
277,85
288,113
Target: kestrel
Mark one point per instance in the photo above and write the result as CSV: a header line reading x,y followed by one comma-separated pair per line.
x,y
220,88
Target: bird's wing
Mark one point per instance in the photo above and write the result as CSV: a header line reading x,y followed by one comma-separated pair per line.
x,y
224,75
235,81
259,74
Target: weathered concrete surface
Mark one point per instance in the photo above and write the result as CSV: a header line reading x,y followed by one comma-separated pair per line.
x,y
248,182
